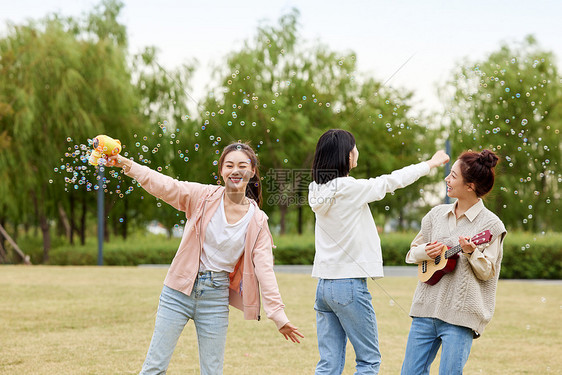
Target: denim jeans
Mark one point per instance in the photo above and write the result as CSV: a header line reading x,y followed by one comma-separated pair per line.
x,y
344,310
425,338
207,306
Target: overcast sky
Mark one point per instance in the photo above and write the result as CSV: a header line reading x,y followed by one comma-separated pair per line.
x,y
439,34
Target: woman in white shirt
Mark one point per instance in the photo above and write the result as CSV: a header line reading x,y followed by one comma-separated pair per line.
x,y
348,249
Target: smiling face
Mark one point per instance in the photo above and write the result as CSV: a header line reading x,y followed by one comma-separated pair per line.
x,y
236,170
456,186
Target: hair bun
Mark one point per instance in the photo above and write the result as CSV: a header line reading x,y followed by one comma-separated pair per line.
x,y
488,158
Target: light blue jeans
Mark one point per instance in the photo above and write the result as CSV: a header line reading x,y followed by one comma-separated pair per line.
x,y
207,306
344,310
425,338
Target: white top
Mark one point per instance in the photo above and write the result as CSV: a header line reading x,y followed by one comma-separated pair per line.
x,y
224,243
346,239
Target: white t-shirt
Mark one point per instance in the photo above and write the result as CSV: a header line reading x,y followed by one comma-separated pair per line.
x,y
224,243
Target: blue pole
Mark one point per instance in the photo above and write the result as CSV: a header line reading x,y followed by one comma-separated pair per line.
x,y
447,168
100,216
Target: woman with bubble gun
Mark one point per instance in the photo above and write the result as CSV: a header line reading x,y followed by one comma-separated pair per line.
x,y
225,257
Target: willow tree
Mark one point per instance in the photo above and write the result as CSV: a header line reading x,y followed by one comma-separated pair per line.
x,y
62,80
280,92
165,141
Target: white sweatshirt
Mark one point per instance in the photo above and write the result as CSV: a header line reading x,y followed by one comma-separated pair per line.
x,y
346,238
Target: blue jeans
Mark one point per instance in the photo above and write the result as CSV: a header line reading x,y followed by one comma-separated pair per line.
x,y
344,310
207,306
425,338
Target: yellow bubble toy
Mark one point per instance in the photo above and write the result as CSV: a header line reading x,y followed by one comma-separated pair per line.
x,y
104,146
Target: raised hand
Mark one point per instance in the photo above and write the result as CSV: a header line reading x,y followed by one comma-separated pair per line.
x,y
438,159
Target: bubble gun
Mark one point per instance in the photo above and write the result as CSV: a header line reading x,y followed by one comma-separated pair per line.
x,y
104,146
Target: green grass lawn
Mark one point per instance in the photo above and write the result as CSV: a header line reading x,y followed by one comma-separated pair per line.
x,y
99,320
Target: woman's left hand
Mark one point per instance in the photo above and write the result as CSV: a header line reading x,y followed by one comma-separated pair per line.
x,y
468,247
291,332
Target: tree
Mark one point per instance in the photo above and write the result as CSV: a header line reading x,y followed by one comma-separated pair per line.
x,y
60,82
169,131
281,95
511,103
390,138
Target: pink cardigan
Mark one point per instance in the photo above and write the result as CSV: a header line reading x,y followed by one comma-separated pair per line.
x,y
254,270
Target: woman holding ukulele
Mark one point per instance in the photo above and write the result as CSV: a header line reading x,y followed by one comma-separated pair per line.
x,y
457,308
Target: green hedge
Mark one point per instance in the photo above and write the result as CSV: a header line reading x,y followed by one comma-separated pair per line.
x,y
532,256
138,249
300,249
115,254
294,249
526,255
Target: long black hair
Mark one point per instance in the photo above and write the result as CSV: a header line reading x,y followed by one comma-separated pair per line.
x,y
331,158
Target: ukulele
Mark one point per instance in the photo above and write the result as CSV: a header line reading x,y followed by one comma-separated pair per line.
x,y
431,271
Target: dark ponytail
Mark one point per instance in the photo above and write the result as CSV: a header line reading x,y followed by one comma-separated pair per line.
x,y
478,168
253,189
